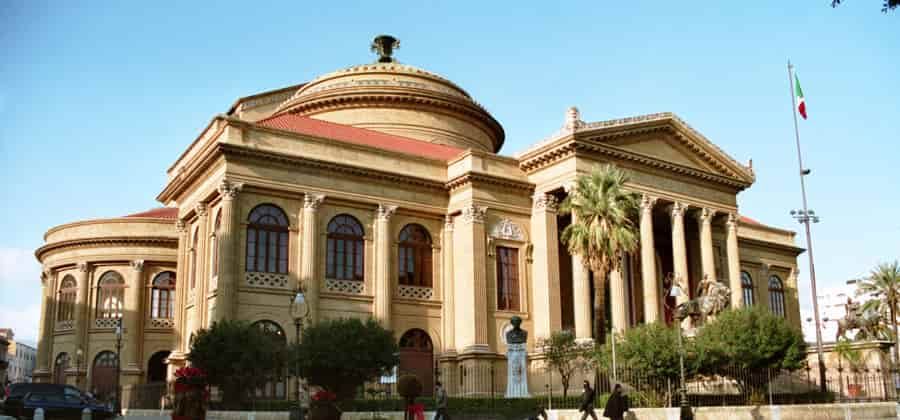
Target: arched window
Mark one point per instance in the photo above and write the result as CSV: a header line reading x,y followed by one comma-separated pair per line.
x,y
195,244
267,240
59,368
68,290
110,293
747,288
776,295
214,244
156,367
345,254
415,256
277,387
103,375
162,295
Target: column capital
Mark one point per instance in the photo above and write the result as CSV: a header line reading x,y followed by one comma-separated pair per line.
x,y
229,190
546,202
678,209
647,202
732,221
705,215
385,212
448,222
202,209
472,213
82,267
45,278
180,226
137,265
313,201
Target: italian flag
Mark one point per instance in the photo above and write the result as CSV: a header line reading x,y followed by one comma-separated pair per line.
x,y
801,103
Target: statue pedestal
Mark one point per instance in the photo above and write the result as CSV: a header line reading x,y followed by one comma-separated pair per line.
x,y
517,371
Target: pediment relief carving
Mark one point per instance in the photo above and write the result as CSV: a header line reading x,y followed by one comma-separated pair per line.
x,y
665,147
508,230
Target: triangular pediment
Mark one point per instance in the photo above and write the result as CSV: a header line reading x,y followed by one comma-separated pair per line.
x,y
666,139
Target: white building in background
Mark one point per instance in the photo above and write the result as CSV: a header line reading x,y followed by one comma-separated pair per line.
x,y
832,307
21,358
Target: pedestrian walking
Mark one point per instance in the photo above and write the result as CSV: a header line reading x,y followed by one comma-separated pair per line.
x,y
587,402
616,405
440,402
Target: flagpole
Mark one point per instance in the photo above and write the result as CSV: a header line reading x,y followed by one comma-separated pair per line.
x,y
805,218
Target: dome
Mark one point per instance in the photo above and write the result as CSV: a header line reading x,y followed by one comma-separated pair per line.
x,y
398,99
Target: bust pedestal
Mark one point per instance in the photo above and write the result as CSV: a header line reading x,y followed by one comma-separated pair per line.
x,y
517,374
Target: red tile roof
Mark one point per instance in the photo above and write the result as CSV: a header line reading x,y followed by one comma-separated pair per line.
x,y
158,213
750,221
345,133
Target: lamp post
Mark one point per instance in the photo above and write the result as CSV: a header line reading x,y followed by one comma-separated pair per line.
x,y
299,310
686,413
806,216
79,356
119,332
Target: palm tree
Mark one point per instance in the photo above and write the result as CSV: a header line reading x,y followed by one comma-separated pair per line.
x,y
602,228
883,284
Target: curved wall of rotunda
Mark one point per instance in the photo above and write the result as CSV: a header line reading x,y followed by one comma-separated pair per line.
x,y
98,275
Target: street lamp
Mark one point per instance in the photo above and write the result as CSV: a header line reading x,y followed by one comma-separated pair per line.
x,y
79,356
806,216
299,310
119,332
686,413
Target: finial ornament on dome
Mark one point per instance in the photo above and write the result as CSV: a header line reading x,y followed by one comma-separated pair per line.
x,y
573,119
385,45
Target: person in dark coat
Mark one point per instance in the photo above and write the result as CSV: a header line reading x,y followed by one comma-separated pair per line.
x,y
587,402
617,404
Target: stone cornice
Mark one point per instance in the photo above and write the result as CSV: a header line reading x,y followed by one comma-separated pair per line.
x,y
767,245
113,241
110,220
473,177
232,150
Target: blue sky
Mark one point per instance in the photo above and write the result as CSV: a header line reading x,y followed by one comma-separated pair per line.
x,y
98,99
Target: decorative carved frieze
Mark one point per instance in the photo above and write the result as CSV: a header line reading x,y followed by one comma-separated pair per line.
x,y
545,202
507,229
229,190
350,287
415,292
271,280
313,201
385,212
474,214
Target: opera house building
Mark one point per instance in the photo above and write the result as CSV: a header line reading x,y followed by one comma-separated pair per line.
x,y
381,189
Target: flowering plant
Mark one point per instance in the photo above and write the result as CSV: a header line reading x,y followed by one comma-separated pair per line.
x,y
189,376
324,396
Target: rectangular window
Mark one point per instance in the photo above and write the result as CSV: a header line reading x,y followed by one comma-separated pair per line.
x,y
507,278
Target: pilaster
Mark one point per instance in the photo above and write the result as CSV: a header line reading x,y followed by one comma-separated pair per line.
x,y
133,316
471,312
383,279
308,279
181,287
545,267
199,315
448,289
226,238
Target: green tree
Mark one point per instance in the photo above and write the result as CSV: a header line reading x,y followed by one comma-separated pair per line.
x,y
603,227
883,284
238,357
341,355
886,5
566,356
744,343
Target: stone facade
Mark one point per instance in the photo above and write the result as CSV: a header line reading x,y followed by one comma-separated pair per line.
x,y
434,234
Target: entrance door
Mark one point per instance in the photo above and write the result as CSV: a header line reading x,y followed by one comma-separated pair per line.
x,y
103,376
156,367
417,357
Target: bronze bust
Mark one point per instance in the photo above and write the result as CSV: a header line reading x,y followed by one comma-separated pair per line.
x,y
516,335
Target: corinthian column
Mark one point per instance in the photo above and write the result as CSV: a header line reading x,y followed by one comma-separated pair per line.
x,y
734,262
471,313
311,203
226,238
181,290
545,267
199,291
448,288
45,333
679,251
81,306
581,296
383,290
707,256
619,300
648,261
134,316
